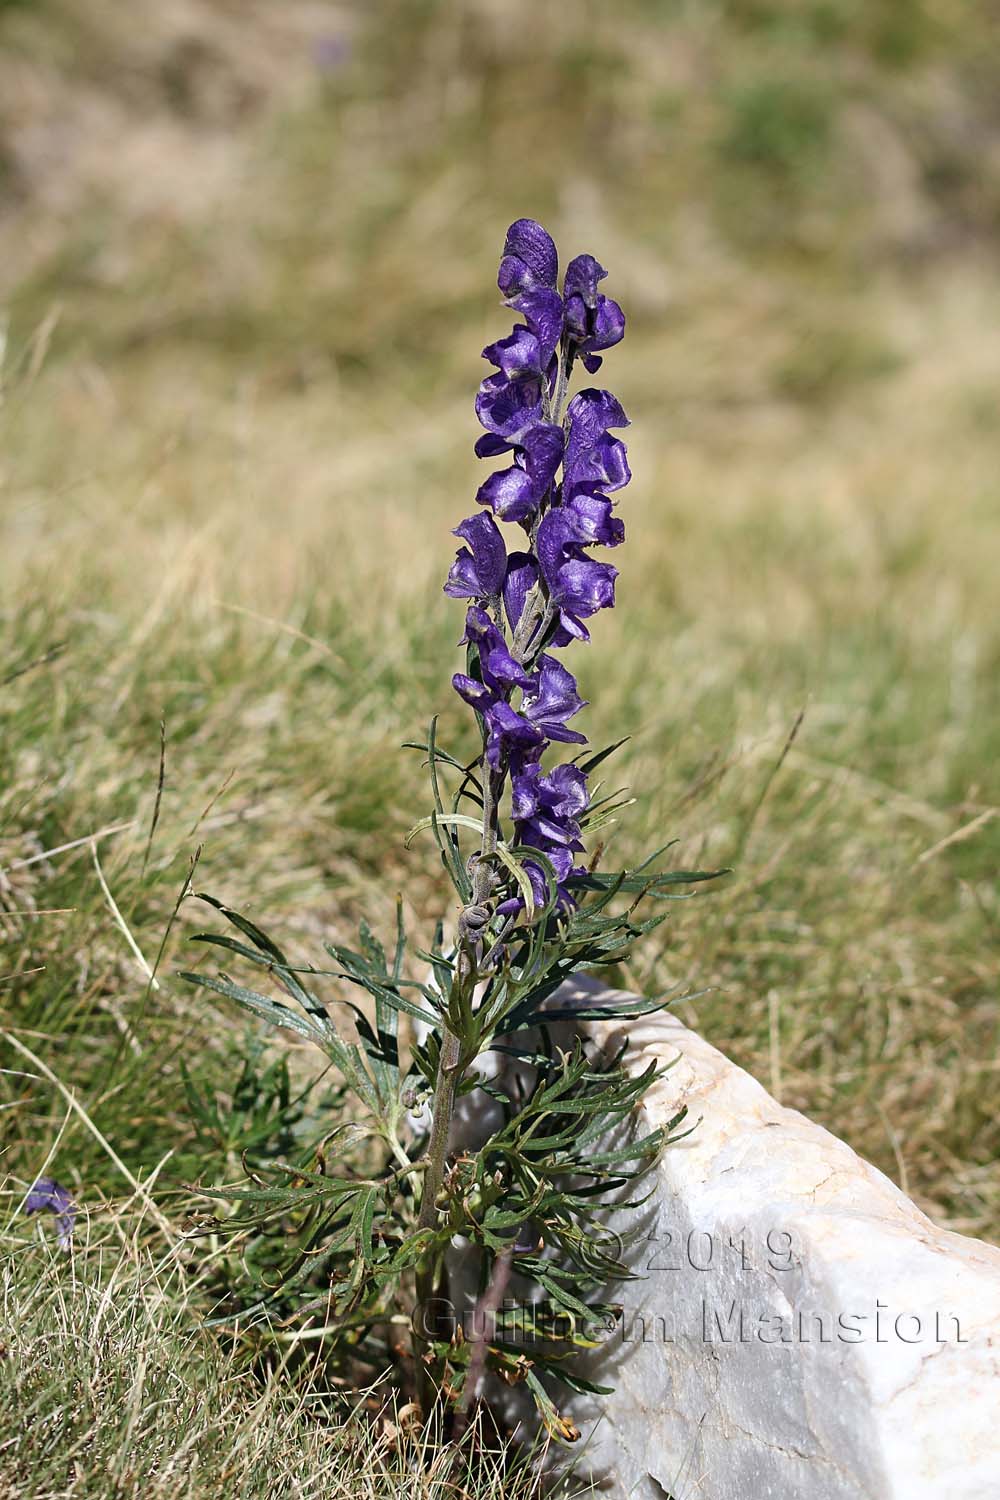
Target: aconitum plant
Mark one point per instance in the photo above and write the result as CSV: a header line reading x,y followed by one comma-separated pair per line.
x,y
364,1254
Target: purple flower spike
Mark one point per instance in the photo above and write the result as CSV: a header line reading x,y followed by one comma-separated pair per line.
x,y
529,259
47,1196
565,465
479,573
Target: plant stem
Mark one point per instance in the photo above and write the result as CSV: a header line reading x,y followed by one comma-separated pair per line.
x,y
437,1151
443,1107
561,385
448,1078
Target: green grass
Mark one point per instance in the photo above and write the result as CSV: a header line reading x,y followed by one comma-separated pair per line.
x,y
246,298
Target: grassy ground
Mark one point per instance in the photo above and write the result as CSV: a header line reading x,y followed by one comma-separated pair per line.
x,y
116,1393
247,261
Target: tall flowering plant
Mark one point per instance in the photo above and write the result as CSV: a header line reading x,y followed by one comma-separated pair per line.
x,y
368,1256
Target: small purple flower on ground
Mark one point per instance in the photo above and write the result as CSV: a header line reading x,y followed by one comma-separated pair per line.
x,y
46,1195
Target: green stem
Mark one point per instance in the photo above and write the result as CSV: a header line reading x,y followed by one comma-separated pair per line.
x,y
437,1152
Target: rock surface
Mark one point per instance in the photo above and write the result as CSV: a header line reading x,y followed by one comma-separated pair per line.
x,y
800,1331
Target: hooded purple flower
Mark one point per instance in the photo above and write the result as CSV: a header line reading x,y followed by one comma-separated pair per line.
x,y
509,407
516,493
530,259
576,584
500,672
546,808
479,573
593,321
595,461
506,730
543,313
510,401
551,700
522,575
562,864
46,1195
549,804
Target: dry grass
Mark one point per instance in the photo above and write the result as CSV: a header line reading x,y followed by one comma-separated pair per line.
x,y
117,1395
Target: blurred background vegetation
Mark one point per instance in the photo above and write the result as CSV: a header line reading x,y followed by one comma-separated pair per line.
x,y
246,260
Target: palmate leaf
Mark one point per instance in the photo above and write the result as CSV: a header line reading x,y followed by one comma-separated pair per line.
x,y
383,1048
387,993
371,1072
573,1381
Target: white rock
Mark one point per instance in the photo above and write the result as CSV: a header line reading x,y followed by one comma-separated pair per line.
x,y
801,1330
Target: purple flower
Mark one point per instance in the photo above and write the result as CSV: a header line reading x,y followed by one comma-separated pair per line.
x,y
516,493
509,407
545,808
479,573
510,401
529,259
506,731
561,861
595,461
576,584
518,356
551,700
522,575
593,321
500,672
46,1195
590,521
559,795
543,312
538,879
